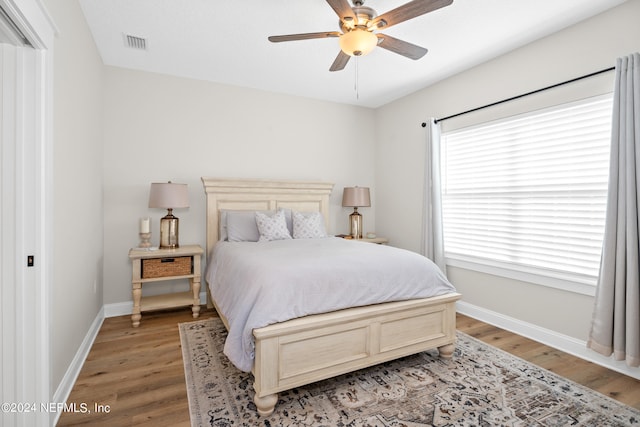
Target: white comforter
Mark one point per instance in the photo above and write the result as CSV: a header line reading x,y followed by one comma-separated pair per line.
x,y
256,284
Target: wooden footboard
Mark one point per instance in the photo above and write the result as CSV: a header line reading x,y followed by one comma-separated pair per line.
x,y
312,348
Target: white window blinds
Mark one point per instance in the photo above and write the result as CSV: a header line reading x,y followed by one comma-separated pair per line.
x,y
529,192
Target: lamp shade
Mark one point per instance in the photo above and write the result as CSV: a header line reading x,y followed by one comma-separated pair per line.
x,y
168,195
356,197
358,42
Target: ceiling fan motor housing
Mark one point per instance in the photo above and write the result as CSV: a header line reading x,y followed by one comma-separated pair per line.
x,y
364,15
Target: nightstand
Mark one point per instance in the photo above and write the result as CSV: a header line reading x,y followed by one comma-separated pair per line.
x,y
153,266
378,240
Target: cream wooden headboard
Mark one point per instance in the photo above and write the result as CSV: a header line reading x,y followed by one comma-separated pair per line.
x,y
245,194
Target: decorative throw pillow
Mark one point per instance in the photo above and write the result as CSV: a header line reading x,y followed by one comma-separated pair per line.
x,y
308,225
272,227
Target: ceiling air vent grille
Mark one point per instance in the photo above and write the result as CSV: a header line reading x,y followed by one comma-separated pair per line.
x,y
136,42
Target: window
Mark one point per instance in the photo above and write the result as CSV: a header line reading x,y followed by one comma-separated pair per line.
x,y
528,193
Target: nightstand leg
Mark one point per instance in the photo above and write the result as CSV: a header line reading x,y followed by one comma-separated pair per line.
x,y
195,287
136,316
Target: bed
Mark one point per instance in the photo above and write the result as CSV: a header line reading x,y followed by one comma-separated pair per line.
x,y
291,353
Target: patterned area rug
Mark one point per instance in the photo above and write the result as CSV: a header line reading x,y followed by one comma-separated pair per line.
x,y
480,386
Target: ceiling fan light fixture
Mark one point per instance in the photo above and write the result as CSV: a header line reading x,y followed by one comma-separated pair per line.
x,y
358,42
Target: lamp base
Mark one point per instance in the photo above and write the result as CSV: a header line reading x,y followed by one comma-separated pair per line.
x,y
169,232
355,221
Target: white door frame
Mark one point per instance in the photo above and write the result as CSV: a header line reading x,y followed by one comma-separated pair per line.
x,y
26,216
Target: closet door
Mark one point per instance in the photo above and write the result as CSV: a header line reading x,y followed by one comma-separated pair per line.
x,y
24,299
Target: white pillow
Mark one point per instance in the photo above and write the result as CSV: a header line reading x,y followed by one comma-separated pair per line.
x,y
308,225
272,227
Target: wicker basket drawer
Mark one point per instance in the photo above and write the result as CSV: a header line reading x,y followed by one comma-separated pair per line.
x,y
165,267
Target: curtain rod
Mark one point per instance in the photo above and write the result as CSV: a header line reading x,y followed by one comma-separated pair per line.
x,y
524,94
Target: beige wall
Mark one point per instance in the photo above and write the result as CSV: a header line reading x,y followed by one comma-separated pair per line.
x,y
78,209
160,128
584,48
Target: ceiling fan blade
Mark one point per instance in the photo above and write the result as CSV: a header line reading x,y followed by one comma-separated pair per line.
x,y
340,62
401,47
342,9
304,36
408,11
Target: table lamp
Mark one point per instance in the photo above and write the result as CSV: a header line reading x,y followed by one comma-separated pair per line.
x,y
356,197
170,196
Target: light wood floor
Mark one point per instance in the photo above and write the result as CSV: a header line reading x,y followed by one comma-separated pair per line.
x,y
137,373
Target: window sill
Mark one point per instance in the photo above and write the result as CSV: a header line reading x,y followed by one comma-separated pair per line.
x,y
551,279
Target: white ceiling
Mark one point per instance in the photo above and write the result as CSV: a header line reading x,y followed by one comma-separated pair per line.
x,y
226,42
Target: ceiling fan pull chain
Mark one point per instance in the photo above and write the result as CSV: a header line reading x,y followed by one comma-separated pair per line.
x,y
356,88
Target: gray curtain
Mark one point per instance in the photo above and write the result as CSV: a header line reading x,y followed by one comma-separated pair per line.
x,y
615,327
432,238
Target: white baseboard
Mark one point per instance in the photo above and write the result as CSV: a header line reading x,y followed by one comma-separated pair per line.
x,y
118,309
66,385
548,337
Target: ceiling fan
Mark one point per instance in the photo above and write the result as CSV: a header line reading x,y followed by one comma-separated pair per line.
x,y
359,23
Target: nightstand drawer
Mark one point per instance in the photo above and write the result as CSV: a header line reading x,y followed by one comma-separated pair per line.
x,y
164,267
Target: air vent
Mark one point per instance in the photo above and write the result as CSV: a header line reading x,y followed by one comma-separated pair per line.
x,y
136,42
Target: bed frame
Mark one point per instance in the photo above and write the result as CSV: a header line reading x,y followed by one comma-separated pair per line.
x,y
304,350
